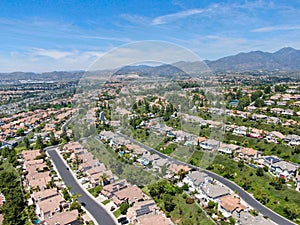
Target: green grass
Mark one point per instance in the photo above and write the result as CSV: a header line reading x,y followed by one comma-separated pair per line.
x,y
20,147
260,187
117,213
105,202
95,191
184,213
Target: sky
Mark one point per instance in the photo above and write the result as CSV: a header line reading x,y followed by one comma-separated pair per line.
x,y
50,35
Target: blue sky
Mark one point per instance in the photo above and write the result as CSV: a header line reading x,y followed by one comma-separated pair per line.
x,y
52,35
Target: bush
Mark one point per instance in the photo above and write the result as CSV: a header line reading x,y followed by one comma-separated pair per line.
x,y
260,172
124,207
189,200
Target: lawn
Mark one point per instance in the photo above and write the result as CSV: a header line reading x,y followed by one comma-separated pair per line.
x,y
117,213
105,202
188,214
95,191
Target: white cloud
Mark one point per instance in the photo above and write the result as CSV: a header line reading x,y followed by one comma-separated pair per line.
x,y
104,38
42,60
51,53
173,16
276,28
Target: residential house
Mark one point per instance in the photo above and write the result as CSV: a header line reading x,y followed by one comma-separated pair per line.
x,y
75,147
50,206
64,218
259,117
148,158
140,209
174,169
284,169
38,180
130,194
248,154
228,148
275,120
229,204
159,163
195,179
270,160
35,165
274,136
118,141
245,218
106,135
153,219
277,110
282,103
109,190
29,155
255,133
214,191
240,130
269,102
183,136
43,195
289,112
292,139
210,144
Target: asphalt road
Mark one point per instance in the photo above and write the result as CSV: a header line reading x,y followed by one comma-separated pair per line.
x,y
95,209
242,193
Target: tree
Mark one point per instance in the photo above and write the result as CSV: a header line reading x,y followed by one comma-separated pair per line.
x,y
169,203
53,140
211,204
231,220
75,205
260,172
104,177
243,102
241,164
290,213
26,142
13,208
266,168
259,102
124,207
39,143
277,183
181,173
267,90
255,95
64,136
20,132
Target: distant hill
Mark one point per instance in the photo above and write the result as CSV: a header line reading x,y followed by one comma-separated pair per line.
x,y
42,77
285,59
163,71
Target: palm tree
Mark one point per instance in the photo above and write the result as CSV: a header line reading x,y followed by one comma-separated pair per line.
x,y
181,173
103,178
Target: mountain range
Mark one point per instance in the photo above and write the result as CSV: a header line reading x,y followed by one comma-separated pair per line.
x,y
285,59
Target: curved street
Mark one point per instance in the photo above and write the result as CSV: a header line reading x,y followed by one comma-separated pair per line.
x,y
242,193
93,207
